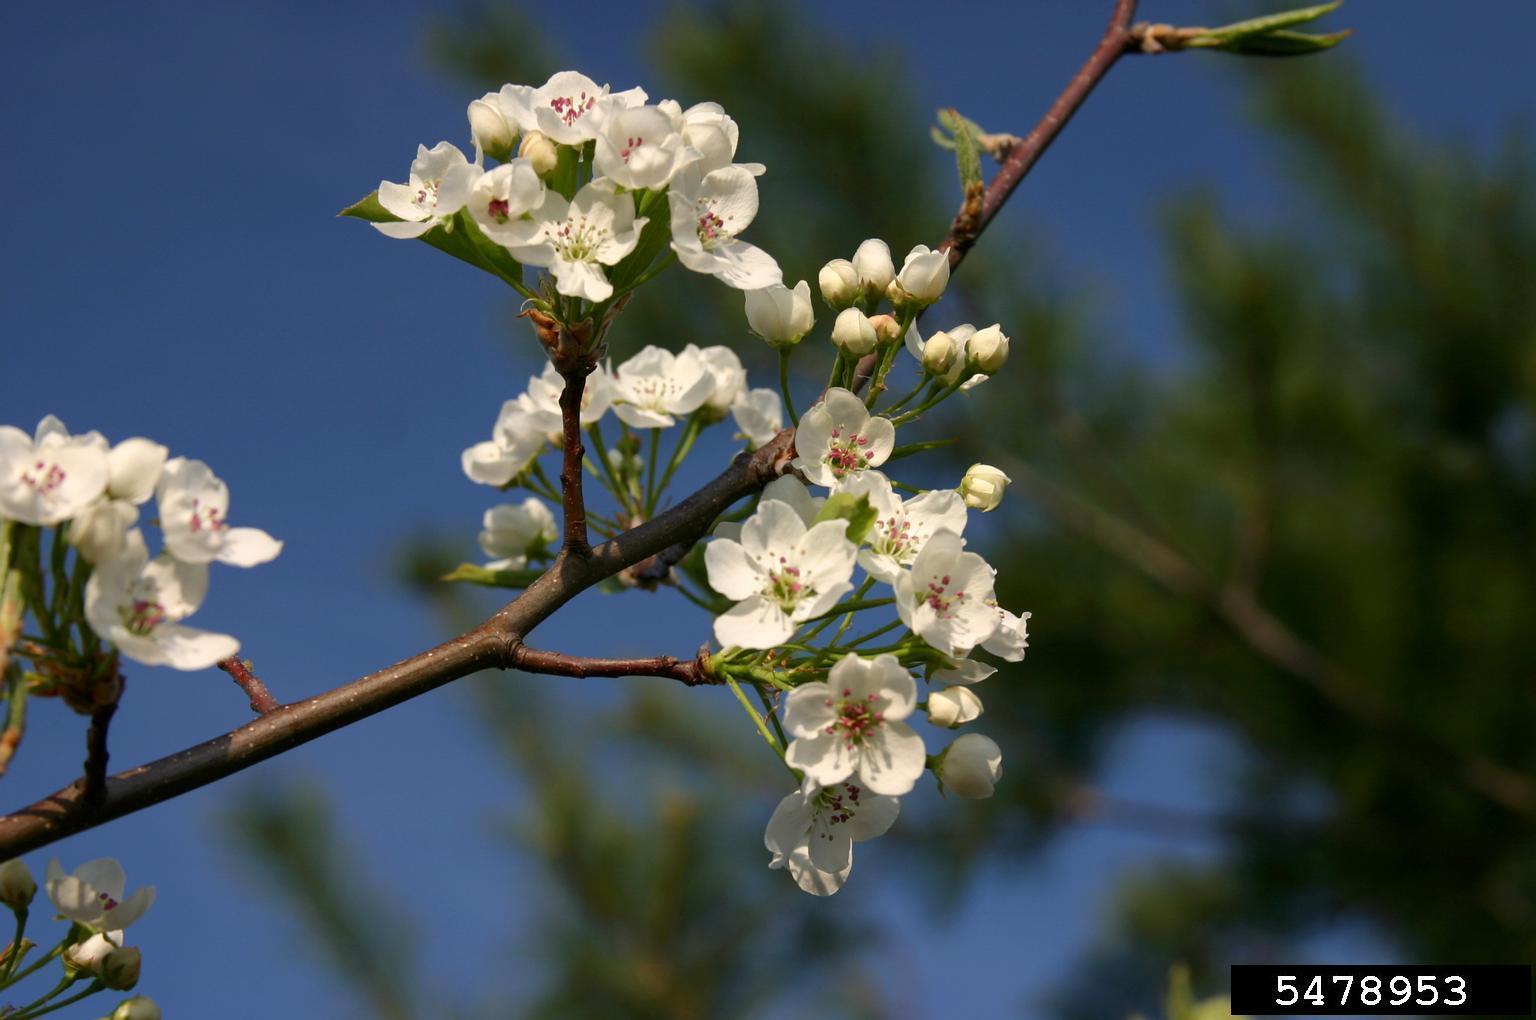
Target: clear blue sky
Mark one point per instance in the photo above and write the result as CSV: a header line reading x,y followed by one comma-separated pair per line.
x,y
174,269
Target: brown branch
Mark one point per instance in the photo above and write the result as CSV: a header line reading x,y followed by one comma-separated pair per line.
x,y
96,753
239,670
692,672
1023,155
576,542
496,643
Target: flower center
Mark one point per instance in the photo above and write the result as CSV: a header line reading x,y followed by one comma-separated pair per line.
x,y
835,806
630,145
209,517
785,586
500,210
856,718
571,108
577,239
847,454
653,391
894,537
142,616
425,198
43,477
941,600
713,229
107,902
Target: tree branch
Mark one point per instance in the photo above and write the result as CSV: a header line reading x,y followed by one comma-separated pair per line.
x,y
570,471
692,672
262,700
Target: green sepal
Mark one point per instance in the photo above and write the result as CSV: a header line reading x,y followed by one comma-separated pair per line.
x,y
856,510
460,237
470,573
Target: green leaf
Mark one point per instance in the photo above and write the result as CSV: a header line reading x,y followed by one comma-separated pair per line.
x,y
459,237
1271,22
368,208
653,241
845,506
470,573
1277,44
967,150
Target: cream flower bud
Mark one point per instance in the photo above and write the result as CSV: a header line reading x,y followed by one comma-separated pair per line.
x,y
922,279
17,886
839,283
970,767
982,487
887,329
88,956
101,529
489,127
540,151
853,333
119,970
939,353
779,315
953,706
140,1007
987,350
873,264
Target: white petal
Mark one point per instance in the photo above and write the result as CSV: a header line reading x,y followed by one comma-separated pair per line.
x,y
754,623
732,572
134,467
824,757
190,648
892,760
246,547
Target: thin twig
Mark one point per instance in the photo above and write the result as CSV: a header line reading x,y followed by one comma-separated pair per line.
x,y
239,670
96,753
574,502
692,672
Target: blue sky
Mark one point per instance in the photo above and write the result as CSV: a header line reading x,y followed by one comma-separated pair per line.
x,y
175,270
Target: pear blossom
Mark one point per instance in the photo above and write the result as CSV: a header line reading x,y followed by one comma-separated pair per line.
x,y
133,471
1011,638
939,353
512,533
779,315
853,333
17,886
140,1007
99,530
193,502
902,527
711,135
490,127
639,147
655,385
970,767
812,832
575,239
437,188
93,895
957,357
52,476
138,603
518,436
839,283
988,350
922,278
567,108
960,671
850,724
872,261
759,415
982,487
120,969
780,572
953,706
727,376
540,152
837,439
542,401
501,199
784,489
946,598
708,212
88,955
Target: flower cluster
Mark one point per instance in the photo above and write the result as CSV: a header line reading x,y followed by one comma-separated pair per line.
x,y
90,492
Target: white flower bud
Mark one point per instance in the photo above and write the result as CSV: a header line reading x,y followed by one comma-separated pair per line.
x,y
887,329
101,529
119,971
853,333
839,283
873,264
970,767
922,279
982,487
939,353
88,956
140,1007
489,127
953,706
779,315
539,151
987,350
17,886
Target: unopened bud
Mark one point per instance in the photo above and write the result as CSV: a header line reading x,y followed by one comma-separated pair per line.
x,y
89,955
887,329
873,264
780,315
922,279
953,706
853,333
119,971
970,767
541,152
987,350
982,487
939,353
140,1007
17,887
489,127
839,283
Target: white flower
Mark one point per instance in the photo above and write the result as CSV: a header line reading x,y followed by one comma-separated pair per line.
x,y
1012,636
946,598
500,201
939,353
100,529
543,154
785,489
779,315
953,706
513,533
138,603
850,724
542,401
710,133
708,212
88,955
52,476
93,895
490,127
982,487
759,415
438,187
779,573
193,502
837,438
516,439
640,148
133,470
568,108
902,527
839,283
853,333
17,886
961,671
957,357
971,766
140,1007
655,385
812,832
729,379
988,350
873,263
922,279
575,239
